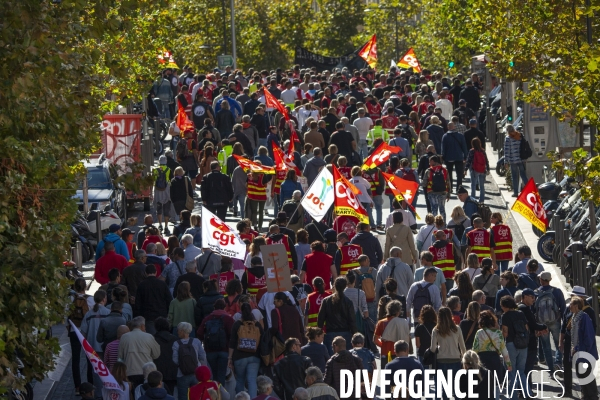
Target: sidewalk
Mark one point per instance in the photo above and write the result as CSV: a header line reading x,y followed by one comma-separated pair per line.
x,y
530,238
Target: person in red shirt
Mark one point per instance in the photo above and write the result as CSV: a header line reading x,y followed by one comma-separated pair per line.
x,y
108,261
390,121
373,107
153,236
318,264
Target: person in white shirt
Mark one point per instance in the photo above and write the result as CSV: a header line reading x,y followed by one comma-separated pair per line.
x,y
444,104
363,124
364,186
425,235
288,96
473,269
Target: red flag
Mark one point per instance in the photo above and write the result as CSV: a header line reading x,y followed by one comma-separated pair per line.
x,y
529,204
272,102
409,60
402,189
182,120
380,155
369,52
251,166
345,202
283,161
293,140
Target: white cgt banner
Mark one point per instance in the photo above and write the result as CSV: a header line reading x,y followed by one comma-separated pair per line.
x,y
108,380
319,196
220,237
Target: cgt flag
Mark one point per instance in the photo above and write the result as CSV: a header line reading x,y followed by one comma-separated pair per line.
x,y
283,161
380,155
345,201
272,102
108,381
182,120
220,237
402,189
529,204
251,166
319,197
409,60
369,52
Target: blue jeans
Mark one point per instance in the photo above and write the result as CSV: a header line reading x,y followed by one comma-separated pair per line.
x,y
378,200
372,308
444,367
518,358
363,149
329,336
502,266
276,204
391,197
478,178
246,371
438,204
367,206
183,384
241,200
517,170
554,330
218,364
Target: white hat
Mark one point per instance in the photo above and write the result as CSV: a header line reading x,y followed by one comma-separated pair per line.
x,y
577,291
162,160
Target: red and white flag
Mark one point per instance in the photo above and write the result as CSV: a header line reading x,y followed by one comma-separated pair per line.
x,y
220,237
283,160
380,155
345,201
272,102
108,381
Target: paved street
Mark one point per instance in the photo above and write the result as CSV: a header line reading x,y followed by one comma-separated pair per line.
x,y
494,198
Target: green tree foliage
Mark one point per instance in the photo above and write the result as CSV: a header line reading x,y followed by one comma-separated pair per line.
x,y
58,62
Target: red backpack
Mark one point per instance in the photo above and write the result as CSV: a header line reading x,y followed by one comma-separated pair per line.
x,y
408,175
478,164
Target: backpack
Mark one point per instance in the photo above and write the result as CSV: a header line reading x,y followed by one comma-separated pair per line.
x,y
478,162
421,298
391,275
188,359
366,283
406,134
248,337
289,208
438,180
81,308
521,339
214,334
408,175
546,309
459,230
462,117
161,179
484,212
525,151
182,150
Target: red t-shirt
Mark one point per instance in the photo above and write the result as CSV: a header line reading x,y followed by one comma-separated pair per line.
x,y
319,264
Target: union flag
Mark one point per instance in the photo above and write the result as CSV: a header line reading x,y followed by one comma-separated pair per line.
x,y
529,204
345,201
369,52
409,60
380,155
182,120
251,166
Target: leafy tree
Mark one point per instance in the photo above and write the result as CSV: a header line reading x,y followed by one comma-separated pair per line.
x,y
58,64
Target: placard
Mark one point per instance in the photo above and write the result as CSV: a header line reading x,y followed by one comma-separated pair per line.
x,y
277,268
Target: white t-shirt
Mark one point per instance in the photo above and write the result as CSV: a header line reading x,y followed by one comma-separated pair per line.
x,y
408,220
425,236
288,96
365,188
247,262
446,107
363,125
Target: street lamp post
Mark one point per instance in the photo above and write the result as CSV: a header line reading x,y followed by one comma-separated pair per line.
x,y
224,27
233,46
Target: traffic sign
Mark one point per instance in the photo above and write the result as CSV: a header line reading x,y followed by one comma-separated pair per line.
x,y
224,60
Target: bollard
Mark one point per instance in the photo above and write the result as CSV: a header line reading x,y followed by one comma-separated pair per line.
x,y
577,268
73,254
565,242
79,257
98,227
594,295
587,275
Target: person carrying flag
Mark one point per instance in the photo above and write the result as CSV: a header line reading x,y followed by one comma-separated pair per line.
x,y
257,197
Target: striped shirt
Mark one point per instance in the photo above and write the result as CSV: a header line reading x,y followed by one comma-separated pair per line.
x,y
111,354
512,153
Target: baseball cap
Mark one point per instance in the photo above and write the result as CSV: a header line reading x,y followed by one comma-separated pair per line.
x,y
114,228
528,292
472,121
162,160
546,276
282,216
462,101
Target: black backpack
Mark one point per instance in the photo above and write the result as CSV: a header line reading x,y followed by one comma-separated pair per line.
x,y
484,212
459,230
215,338
521,339
406,134
438,181
182,149
525,151
188,359
422,297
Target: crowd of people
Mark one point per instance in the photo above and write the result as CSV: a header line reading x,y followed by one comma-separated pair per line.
x,y
174,317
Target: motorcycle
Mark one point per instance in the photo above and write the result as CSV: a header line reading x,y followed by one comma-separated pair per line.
x,y
80,231
501,167
107,218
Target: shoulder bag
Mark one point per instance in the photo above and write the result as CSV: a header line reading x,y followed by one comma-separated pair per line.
x,y
189,200
430,357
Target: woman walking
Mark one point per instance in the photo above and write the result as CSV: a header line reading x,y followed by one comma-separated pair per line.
x,y
478,166
245,364
448,341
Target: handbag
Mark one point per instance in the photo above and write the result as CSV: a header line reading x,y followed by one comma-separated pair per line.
x,y
429,357
189,200
369,327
